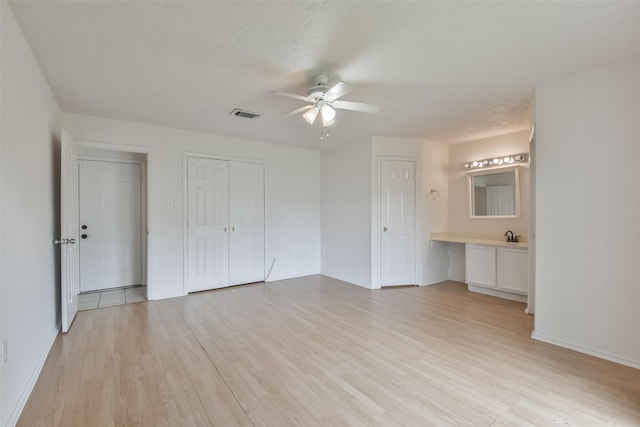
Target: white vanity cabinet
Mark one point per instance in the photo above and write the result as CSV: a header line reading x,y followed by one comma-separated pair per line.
x,y
513,270
497,270
480,265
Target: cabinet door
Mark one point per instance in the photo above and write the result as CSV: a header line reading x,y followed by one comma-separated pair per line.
x,y
513,266
480,265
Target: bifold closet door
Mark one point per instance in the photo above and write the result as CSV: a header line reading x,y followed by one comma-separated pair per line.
x,y
225,223
246,220
207,224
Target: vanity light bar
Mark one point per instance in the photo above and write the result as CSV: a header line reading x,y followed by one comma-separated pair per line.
x,y
497,161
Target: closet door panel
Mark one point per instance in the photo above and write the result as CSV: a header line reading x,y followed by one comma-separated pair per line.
x,y
246,219
207,224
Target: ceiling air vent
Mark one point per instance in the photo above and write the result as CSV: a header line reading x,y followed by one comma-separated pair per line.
x,y
244,114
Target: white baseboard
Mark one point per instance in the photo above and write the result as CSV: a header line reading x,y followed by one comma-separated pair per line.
x,y
433,281
277,278
498,293
586,350
157,297
362,285
456,277
26,392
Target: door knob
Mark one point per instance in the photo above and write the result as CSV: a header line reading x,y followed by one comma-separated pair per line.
x,y
384,228
71,241
233,229
224,229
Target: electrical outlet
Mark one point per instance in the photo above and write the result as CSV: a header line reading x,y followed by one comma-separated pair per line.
x,y
5,352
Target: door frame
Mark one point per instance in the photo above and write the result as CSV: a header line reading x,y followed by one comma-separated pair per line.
x,y
143,200
148,219
376,246
531,296
185,204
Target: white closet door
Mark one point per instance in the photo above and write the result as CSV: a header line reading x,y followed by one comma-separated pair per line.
x,y
110,215
246,218
207,224
398,221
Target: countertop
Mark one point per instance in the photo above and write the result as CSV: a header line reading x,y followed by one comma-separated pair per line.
x,y
478,240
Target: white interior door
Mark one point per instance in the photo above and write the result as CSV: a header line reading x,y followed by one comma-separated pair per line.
x,y
111,225
69,229
398,222
207,224
246,219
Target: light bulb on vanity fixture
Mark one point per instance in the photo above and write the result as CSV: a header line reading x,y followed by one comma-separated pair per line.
x,y
497,161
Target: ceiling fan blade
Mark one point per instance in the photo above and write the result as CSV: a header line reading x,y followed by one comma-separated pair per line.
x,y
294,112
338,90
292,96
355,106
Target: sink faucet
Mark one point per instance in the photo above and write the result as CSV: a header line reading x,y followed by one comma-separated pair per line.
x,y
510,237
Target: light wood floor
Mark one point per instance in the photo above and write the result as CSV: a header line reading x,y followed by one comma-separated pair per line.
x,y
316,351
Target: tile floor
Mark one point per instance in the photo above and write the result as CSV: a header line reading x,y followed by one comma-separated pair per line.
x,y
111,297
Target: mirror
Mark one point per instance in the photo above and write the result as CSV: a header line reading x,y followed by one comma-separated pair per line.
x,y
495,193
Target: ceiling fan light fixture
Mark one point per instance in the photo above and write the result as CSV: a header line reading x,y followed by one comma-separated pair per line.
x,y
328,115
327,124
323,100
310,115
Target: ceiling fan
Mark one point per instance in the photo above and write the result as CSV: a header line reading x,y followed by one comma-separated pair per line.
x,y
324,101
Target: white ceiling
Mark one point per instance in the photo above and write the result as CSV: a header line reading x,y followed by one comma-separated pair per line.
x,y
447,71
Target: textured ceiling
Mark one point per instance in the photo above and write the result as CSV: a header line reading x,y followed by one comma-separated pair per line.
x,y
447,71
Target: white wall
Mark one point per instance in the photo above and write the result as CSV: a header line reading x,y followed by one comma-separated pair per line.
x,y
346,213
456,269
432,172
498,146
531,297
292,194
588,211
400,148
435,175
29,220
350,230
